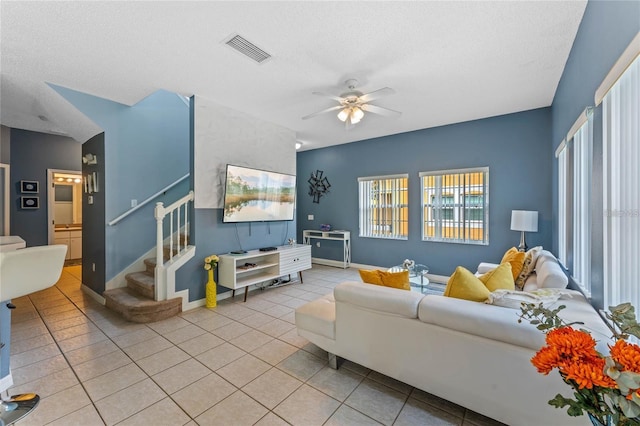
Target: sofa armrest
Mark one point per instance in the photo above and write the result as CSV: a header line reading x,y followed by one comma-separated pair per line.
x,y
485,267
388,300
549,273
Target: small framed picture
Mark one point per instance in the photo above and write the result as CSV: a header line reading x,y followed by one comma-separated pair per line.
x,y
29,202
29,186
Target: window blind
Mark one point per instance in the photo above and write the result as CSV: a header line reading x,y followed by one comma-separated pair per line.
x,y
384,205
621,189
582,156
562,205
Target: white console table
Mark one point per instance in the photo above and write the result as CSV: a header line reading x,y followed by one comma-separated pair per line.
x,y
344,236
269,265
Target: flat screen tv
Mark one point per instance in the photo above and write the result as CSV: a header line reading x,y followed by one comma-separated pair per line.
x,y
253,195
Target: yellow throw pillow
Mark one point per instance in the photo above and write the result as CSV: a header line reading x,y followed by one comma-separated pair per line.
x,y
464,285
500,278
528,266
371,277
395,279
516,259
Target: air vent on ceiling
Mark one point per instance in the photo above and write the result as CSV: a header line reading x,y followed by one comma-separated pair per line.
x,y
247,48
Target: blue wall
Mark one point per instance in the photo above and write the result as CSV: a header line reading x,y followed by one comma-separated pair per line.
x,y
606,30
146,148
32,153
514,146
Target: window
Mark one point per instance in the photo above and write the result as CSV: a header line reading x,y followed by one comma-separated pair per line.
x,y
621,189
563,216
455,206
582,155
575,157
384,206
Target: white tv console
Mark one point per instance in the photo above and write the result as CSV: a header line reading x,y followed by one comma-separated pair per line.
x,y
269,265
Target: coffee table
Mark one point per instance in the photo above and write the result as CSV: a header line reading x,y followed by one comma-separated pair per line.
x,y
417,275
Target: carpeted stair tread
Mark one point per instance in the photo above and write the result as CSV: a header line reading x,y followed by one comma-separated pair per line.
x,y
137,308
142,282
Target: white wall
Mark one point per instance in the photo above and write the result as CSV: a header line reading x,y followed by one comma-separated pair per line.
x,y
224,136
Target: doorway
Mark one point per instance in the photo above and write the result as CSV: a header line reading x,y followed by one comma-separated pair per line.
x,y
4,196
65,211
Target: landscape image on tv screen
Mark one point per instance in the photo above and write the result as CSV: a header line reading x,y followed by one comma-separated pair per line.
x,y
253,195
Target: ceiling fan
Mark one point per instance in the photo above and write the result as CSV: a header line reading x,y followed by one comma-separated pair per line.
x,y
354,103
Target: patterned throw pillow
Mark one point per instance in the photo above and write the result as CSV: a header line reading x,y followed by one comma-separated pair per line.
x,y
528,266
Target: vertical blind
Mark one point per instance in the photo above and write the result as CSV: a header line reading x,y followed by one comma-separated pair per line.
x,y
582,156
384,205
562,204
455,206
621,189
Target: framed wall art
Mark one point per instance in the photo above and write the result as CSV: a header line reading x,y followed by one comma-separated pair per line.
x,y
29,202
29,186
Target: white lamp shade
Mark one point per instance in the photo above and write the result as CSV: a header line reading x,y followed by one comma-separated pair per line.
x,y
524,220
343,114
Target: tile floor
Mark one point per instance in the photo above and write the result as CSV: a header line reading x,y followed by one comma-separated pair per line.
x,y
237,364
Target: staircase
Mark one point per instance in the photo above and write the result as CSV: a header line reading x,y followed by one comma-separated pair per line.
x,y
149,295
136,303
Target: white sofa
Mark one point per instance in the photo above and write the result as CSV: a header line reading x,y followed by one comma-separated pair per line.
x,y
470,353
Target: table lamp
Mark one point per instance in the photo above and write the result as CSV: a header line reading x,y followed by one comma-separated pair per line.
x,y
524,221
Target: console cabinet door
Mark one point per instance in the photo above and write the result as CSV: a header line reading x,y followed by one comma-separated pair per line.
x,y
295,259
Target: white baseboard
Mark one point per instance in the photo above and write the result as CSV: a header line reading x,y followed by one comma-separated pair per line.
x,y
92,294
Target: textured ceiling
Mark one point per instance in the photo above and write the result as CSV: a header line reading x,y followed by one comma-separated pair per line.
x,y
448,62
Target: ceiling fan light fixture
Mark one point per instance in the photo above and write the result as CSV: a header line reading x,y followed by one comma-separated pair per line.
x,y
356,114
344,114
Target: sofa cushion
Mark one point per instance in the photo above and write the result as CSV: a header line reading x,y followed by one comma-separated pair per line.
x,y
499,278
388,279
318,316
370,277
398,280
464,285
377,298
501,324
516,259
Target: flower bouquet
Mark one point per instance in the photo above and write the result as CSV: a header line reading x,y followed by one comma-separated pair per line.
x,y
606,386
210,262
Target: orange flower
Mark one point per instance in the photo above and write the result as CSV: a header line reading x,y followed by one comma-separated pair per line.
x,y
572,344
546,359
589,373
627,355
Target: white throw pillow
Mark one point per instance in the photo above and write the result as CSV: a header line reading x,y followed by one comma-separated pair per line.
x,y
513,299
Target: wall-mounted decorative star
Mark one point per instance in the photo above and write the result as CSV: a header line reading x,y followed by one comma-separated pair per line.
x,y
318,186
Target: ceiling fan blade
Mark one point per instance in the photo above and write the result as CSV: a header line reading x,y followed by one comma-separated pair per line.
x,y
326,95
376,94
381,111
322,112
